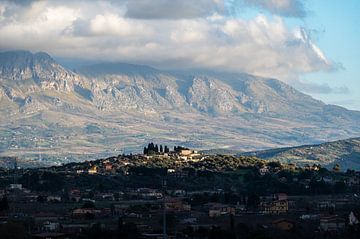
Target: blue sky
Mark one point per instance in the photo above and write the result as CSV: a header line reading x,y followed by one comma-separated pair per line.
x,y
310,44
338,23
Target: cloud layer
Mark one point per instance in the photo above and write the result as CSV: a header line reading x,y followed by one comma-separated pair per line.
x,y
287,8
177,35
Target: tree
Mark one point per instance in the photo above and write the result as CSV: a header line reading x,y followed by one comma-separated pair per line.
x,y
12,230
88,205
336,168
4,204
253,201
40,199
145,150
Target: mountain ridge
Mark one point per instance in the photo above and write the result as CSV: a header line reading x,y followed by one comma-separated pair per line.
x,y
129,105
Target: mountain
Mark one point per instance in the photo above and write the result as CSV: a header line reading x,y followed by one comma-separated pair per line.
x,y
346,153
55,115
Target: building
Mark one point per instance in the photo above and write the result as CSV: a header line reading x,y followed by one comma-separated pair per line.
x,y
15,186
278,204
264,170
86,213
108,167
275,207
92,170
53,199
332,223
175,204
218,209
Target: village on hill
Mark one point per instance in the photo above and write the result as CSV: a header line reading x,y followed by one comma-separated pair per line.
x,y
199,195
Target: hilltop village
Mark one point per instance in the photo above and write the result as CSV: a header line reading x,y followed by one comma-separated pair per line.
x,y
181,193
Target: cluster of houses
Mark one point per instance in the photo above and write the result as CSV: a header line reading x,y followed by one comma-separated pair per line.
x,y
77,212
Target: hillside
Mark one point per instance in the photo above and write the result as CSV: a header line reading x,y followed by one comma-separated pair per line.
x,y
57,115
346,153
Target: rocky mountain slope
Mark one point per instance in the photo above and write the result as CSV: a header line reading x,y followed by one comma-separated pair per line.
x,y
346,153
57,115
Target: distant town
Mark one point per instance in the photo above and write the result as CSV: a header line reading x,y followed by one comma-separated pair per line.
x,y
179,193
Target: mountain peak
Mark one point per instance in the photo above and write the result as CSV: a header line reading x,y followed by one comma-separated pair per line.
x,y
21,65
22,56
40,68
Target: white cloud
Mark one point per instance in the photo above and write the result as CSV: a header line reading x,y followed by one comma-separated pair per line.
x,y
287,8
112,24
174,9
101,30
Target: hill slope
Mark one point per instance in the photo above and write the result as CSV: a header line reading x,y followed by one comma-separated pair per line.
x,y
346,153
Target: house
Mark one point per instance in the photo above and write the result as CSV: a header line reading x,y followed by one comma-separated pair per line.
x,y
53,199
218,209
86,213
175,204
92,170
327,180
45,217
105,197
283,224
177,173
50,235
264,170
332,223
278,205
148,193
353,220
50,226
185,152
108,167
275,207
156,236
190,220
75,195
291,166
15,186
74,228
325,205
281,196
119,209
353,181
177,192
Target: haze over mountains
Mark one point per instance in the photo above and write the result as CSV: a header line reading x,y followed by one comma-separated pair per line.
x,y
106,108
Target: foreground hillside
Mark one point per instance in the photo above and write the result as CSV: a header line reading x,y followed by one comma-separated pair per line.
x,y
109,108
346,153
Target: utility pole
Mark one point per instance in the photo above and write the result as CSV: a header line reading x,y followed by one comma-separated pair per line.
x,y
164,208
15,171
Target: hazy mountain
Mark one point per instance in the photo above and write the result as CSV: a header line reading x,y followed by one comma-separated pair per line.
x,y
346,153
105,108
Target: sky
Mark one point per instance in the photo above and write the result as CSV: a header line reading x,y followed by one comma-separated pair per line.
x,y
312,45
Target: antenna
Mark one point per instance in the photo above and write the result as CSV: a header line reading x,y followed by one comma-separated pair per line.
x,y
15,163
15,169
